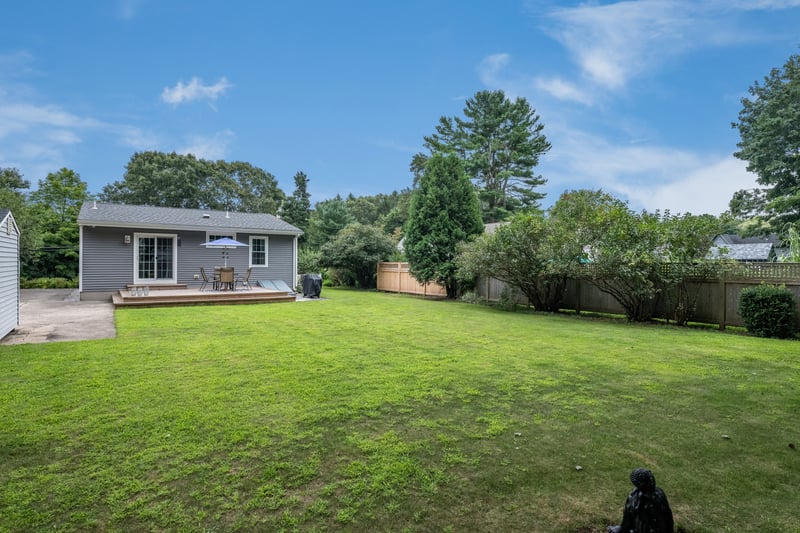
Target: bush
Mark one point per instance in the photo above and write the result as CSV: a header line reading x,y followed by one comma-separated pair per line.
x,y
509,297
768,311
49,283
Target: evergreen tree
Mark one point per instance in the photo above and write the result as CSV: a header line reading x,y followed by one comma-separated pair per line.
x,y
444,212
500,142
297,208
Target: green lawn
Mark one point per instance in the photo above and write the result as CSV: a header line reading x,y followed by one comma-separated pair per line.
x,y
376,412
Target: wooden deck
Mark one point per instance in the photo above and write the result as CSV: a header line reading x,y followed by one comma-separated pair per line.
x,y
174,296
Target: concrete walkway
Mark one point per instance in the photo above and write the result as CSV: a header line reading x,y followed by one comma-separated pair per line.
x,y
49,315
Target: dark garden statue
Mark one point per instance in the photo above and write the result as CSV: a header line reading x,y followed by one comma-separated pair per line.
x,y
646,509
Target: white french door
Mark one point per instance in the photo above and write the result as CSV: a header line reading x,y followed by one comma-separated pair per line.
x,y
155,258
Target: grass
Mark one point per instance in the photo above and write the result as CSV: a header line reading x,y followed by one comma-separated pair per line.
x,y
375,412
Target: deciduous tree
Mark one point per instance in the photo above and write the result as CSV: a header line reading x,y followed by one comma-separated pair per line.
x,y
769,127
328,218
177,180
57,202
356,249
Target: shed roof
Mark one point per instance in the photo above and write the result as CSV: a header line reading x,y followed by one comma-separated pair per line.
x,y
6,217
149,217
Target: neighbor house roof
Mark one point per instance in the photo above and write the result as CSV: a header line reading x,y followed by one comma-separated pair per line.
x,y
729,238
764,251
148,217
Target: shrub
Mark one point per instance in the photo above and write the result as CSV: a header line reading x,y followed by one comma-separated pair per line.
x,y
768,311
509,297
49,283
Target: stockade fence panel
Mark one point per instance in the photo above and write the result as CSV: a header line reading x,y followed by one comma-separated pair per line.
x,y
396,277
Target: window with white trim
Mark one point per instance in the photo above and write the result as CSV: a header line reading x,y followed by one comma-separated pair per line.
x,y
259,246
214,236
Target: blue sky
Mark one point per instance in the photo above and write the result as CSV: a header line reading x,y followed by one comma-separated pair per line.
x,y
636,97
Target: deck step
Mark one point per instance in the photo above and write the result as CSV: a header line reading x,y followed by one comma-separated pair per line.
x,y
193,297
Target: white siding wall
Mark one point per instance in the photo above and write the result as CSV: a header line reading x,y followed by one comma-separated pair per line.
x,y
9,276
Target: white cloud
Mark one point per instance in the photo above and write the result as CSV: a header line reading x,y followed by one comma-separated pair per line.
x,y
194,91
705,189
490,68
563,90
211,148
16,117
648,176
613,43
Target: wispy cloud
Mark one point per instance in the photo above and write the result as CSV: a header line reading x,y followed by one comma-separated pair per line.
x,y
614,43
563,90
128,9
491,67
195,90
209,147
649,176
396,146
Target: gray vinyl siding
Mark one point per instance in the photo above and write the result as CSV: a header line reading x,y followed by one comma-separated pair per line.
x,y
192,256
107,263
9,277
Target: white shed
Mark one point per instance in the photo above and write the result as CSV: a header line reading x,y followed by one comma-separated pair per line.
x,y
9,273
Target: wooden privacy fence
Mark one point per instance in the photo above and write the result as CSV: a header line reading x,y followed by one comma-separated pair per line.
x,y
395,277
717,297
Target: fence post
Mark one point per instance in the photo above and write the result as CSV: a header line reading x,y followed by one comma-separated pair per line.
x,y
723,312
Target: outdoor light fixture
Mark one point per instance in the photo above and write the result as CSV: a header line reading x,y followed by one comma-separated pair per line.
x,y
126,239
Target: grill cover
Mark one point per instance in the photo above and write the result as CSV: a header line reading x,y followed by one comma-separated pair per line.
x,y
312,285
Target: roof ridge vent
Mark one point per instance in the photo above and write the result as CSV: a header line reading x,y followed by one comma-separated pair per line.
x,y
206,215
95,205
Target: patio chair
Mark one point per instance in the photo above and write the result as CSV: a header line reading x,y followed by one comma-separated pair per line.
x,y
206,281
244,281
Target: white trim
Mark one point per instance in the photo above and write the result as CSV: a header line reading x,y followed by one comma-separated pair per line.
x,y
174,278
265,238
80,259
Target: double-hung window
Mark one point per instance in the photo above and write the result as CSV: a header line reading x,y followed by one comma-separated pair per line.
x,y
259,250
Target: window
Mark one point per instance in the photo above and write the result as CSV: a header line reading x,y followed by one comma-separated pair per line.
x,y
258,251
214,236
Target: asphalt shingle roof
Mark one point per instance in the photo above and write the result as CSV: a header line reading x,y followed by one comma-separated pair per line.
x,y
143,216
744,252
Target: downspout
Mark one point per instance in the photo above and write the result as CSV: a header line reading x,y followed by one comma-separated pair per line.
x,y
294,279
80,260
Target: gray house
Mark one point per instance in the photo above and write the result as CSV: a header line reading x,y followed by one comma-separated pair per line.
x,y
9,273
123,245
